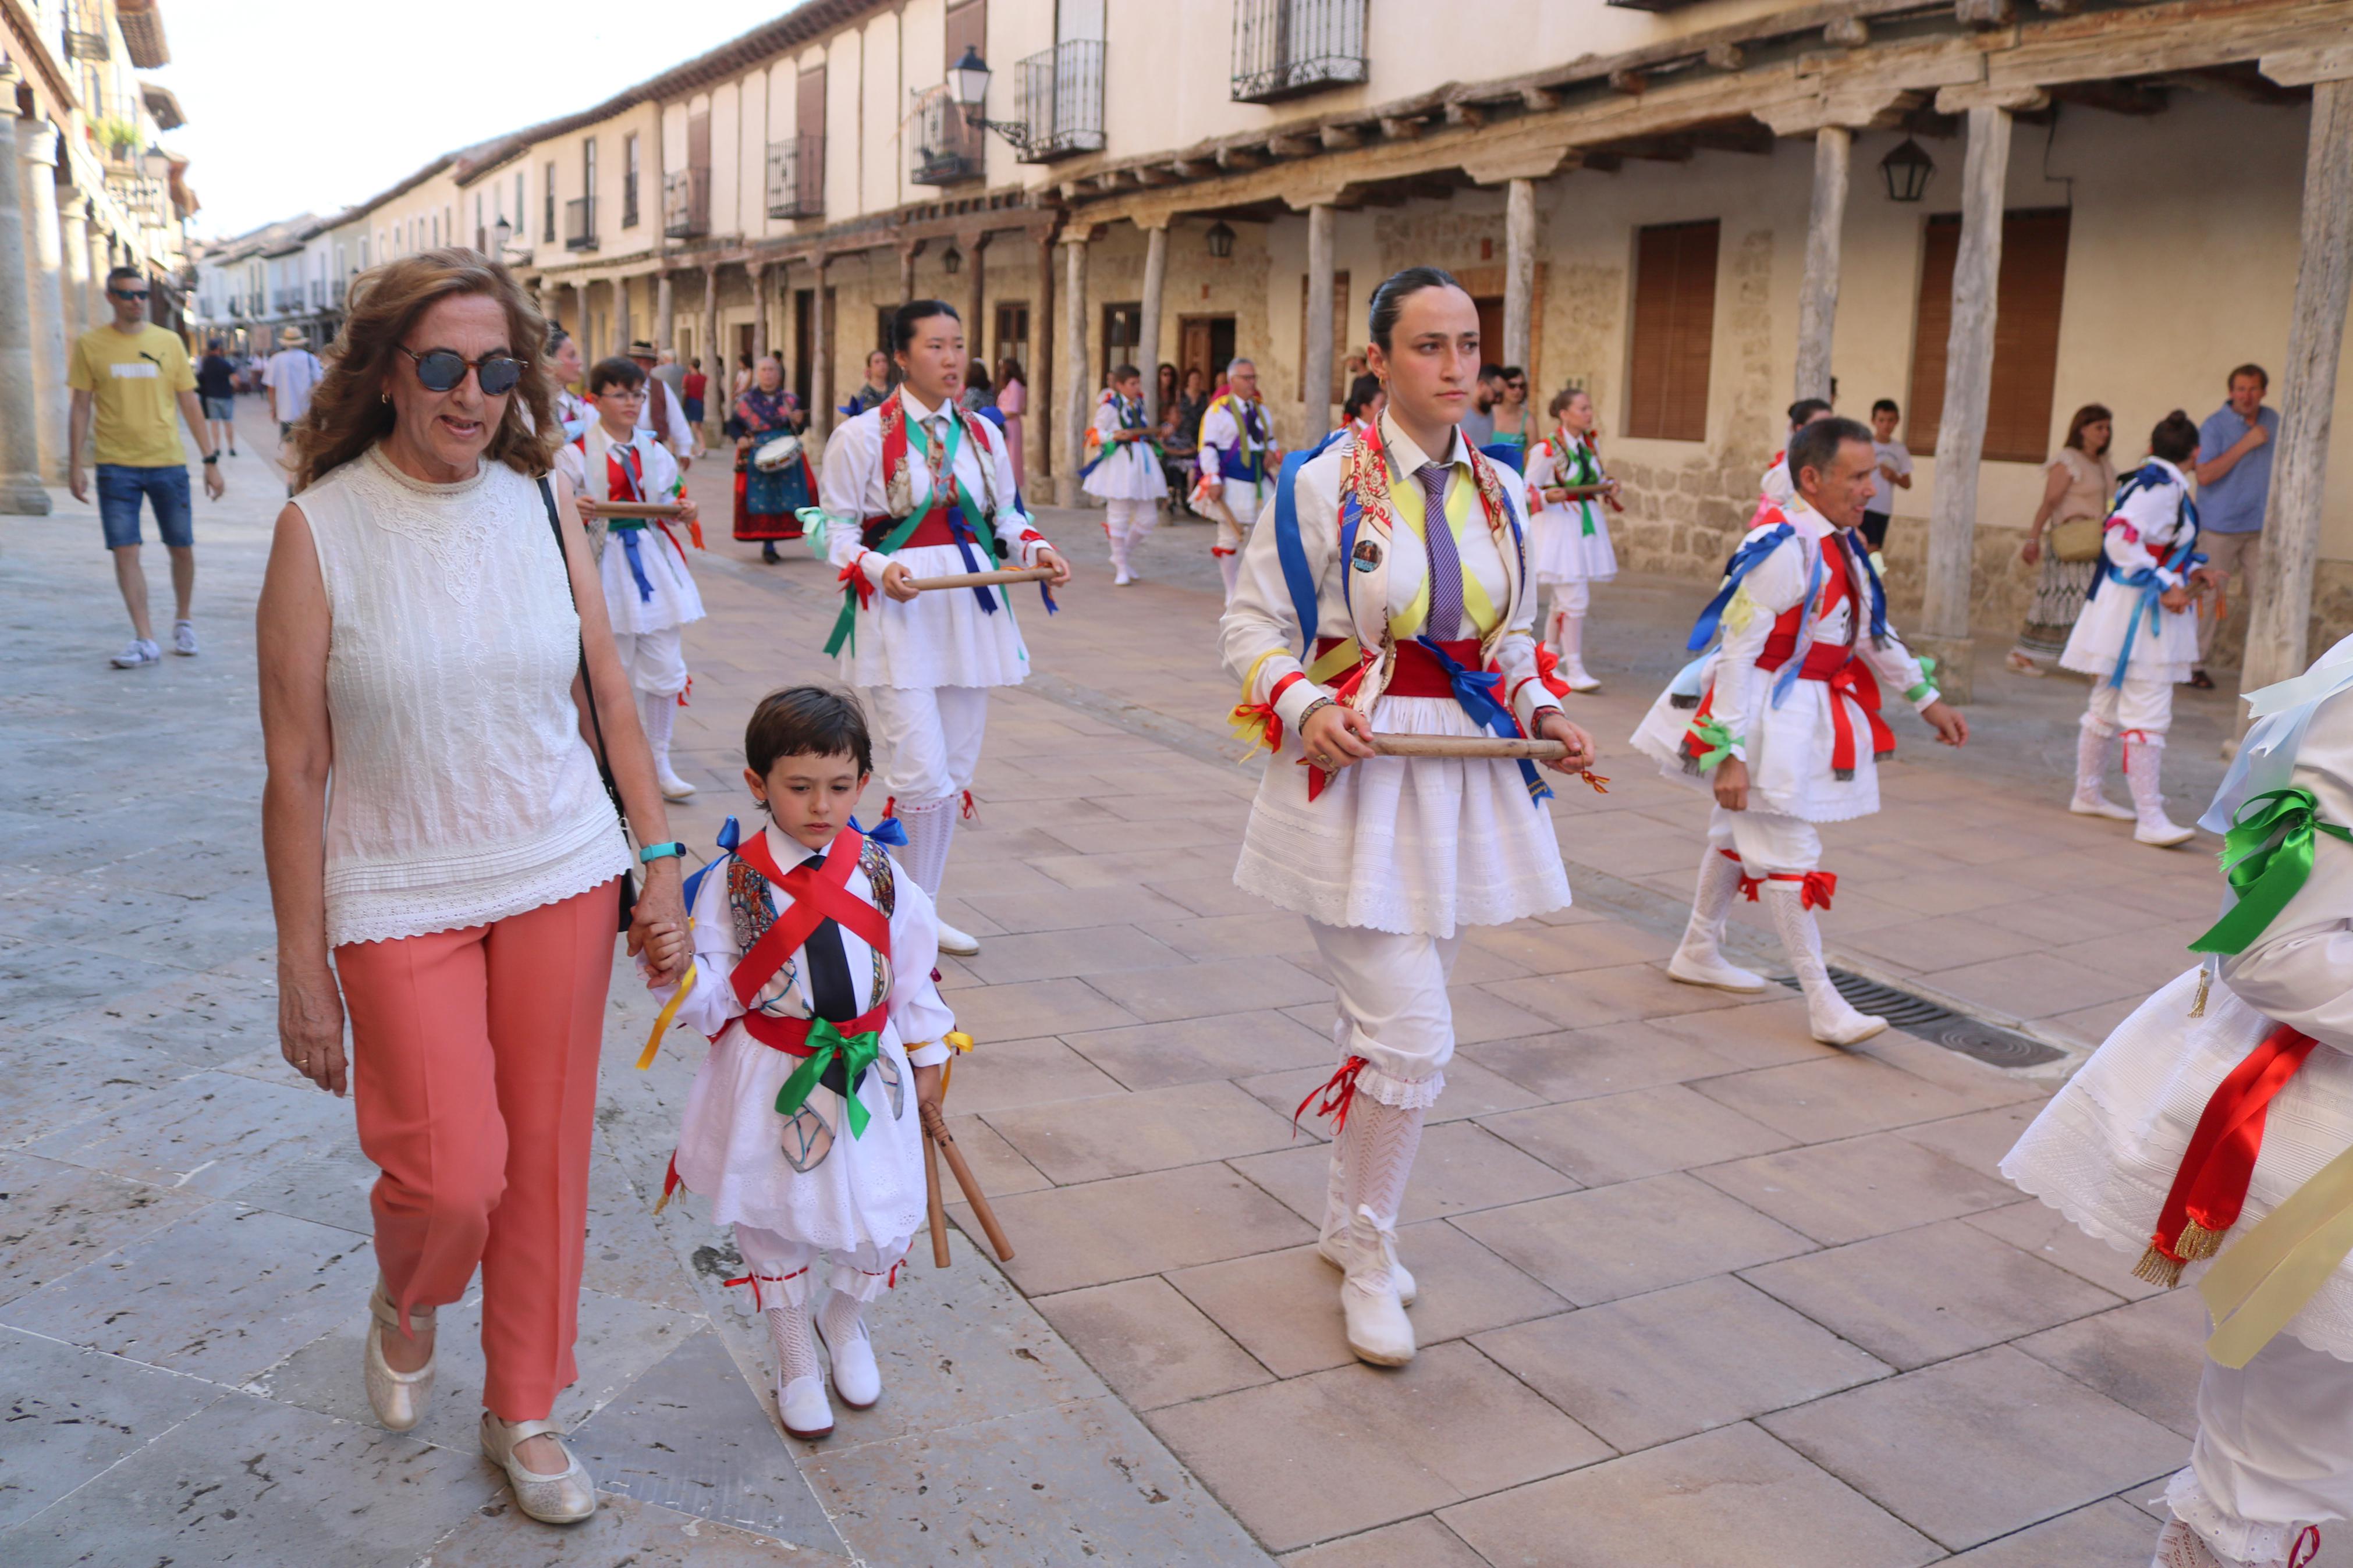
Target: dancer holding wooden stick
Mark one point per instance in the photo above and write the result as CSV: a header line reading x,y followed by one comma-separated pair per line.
x,y
1386,590
812,978
915,489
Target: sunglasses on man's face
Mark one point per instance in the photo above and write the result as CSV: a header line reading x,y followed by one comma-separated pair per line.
x,y
441,369
127,293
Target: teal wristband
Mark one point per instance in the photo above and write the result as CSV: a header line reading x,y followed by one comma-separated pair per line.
x,y
653,852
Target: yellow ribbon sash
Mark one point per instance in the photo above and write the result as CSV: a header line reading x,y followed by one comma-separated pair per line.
x,y
2267,1275
1405,496
669,1012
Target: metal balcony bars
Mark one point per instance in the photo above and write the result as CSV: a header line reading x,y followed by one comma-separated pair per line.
x,y
1283,47
796,177
580,224
1058,102
686,203
947,145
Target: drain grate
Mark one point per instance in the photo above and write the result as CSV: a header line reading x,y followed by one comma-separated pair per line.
x,y
1924,1019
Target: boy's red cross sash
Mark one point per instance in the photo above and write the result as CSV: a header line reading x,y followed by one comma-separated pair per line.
x,y
816,895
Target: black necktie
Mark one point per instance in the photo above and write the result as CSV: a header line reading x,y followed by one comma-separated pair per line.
x,y
833,995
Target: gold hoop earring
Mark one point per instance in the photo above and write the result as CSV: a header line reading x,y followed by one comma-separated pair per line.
x,y
384,397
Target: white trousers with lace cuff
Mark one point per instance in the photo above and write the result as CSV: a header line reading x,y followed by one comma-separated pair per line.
x,y
2275,1452
785,1269
1390,989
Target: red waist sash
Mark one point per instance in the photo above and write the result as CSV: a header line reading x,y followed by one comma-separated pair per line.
x,y
790,1035
933,529
1850,678
1416,674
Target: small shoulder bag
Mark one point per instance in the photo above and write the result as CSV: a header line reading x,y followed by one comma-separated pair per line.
x,y
604,767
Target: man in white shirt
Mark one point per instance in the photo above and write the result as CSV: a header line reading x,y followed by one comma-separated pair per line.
x,y
663,416
291,374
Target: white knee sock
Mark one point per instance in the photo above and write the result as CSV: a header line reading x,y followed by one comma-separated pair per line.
x,y
931,827
789,1335
841,1318
1115,523
659,716
1230,567
1719,883
1378,1143
1834,1019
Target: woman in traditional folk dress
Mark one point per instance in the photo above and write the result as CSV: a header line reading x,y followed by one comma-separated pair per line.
x,y
768,502
1387,592
1566,492
2258,1040
913,488
1124,469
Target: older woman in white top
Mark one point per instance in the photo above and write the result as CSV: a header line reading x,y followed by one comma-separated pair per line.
x,y
421,631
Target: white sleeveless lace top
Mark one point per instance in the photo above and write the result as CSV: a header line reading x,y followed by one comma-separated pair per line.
x,y
461,791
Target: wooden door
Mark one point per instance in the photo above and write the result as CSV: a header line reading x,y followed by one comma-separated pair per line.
x,y
1205,343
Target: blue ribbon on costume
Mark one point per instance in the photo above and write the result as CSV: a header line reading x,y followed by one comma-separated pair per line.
x,y
1743,560
890,830
1297,580
1786,680
637,562
1513,457
1475,690
2183,556
730,836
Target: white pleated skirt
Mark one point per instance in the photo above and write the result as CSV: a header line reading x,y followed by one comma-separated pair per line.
x,y
941,638
673,599
1562,551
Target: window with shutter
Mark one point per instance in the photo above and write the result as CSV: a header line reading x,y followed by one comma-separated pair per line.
x,y
1673,335
2027,300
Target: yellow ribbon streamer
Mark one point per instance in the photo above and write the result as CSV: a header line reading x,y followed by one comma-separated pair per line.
x,y
2266,1277
661,1020
958,1042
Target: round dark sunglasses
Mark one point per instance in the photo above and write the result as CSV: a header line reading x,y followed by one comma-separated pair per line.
x,y
440,370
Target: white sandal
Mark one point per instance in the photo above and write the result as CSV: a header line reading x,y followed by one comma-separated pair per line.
x,y
563,1498
398,1398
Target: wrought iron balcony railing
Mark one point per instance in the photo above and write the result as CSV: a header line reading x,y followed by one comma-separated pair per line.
x,y
1284,47
1058,98
686,203
796,177
580,224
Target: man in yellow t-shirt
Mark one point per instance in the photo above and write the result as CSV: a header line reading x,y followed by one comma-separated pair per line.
x,y
132,374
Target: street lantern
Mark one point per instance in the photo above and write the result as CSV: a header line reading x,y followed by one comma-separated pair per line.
x,y
1907,170
952,260
1221,240
969,78
501,233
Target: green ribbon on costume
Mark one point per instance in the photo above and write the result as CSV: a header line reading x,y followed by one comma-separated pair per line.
x,y
857,1053
1719,742
2267,855
1927,679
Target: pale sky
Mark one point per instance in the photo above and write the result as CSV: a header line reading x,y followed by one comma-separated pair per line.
x,y
297,105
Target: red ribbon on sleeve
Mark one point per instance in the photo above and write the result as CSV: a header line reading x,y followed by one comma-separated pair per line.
x,y
857,578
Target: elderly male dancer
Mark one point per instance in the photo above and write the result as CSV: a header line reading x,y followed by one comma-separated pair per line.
x,y
914,488
1239,458
1788,734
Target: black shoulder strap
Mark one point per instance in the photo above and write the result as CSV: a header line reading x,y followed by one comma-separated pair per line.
x,y
596,724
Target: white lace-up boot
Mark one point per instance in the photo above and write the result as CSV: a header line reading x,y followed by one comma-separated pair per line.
x,y
2143,765
1834,1020
1699,959
1382,1143
1332,1243
1572,653
659,716
2091,798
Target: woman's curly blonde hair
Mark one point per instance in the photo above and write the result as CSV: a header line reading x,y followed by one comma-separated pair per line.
x,y
348,413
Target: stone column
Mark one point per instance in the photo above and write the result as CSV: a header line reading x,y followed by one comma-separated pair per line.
x,y
1520,281
820,350
580,320
2280,617
1315,354
665,308
1818,294
1078,399
717,401
759,311
44,279
1968,382
74,218
1041,446
101,257
1147,326
907,253
20,451
976,322
621,333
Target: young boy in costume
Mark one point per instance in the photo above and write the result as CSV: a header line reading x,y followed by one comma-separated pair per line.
x,y
812,979
1123,467
1788,733
2213,1123
648,592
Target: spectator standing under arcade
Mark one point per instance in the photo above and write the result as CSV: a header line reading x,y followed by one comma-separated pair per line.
x,y
2234,482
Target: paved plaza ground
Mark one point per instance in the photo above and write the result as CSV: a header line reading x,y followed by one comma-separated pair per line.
x,y
1696,1289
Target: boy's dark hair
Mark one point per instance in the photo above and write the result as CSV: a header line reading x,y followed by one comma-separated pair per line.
x,y
1803,410
806,720
1119,373
1885,405
614,371
2175,438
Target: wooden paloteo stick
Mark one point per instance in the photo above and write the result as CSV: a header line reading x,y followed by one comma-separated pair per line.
x,y
935,1123
644,508
937,1208
984,579
1467,746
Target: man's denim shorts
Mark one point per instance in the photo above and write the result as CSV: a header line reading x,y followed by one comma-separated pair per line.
x,y
221,408
118,490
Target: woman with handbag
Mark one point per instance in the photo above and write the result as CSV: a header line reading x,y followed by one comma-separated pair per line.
x,y
2077,487
431,636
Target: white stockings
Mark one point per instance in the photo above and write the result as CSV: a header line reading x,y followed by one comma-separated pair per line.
x,y
659,714
1834,1020
2144,762
1230,567
1128,521
931,827
2091,797
1699,960
1376,1146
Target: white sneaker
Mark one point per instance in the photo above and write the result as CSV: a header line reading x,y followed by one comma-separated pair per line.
x,y
855,1376
1696,968
2161,832
1578,677
672,786
956,944
807,1414
140,651
1121,578
2097,804
184,639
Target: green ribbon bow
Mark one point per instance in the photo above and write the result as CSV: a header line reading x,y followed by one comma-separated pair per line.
x,y
2267,855
1927,679
857,1053
1718,740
